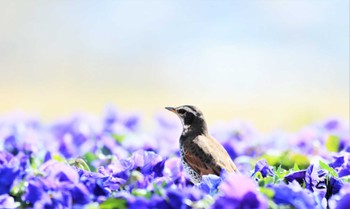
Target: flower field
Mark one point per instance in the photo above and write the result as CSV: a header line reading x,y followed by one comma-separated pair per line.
x,y
111,162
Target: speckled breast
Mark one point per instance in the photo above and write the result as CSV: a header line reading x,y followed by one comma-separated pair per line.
x,y
194,176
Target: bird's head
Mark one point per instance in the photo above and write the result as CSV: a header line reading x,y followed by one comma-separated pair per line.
x,y
191,117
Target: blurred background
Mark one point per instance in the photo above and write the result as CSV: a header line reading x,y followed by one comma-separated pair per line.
x,y
275,64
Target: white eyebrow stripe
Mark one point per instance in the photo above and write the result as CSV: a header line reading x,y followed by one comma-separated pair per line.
x,y
188,109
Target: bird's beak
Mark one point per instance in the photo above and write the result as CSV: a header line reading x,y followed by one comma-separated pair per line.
x,y
171,109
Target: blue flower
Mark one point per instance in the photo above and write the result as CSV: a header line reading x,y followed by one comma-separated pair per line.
x,y
333,187
342,165
137,202
44,193
11,168
100,185
183,198
6,201
241,192
146,162
59,186
264,168
315,178
209,184
298,176
331,124
344,202
293,194
175,174
158,202
341,200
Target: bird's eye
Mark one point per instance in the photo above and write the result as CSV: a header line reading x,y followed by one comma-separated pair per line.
x,y
181,111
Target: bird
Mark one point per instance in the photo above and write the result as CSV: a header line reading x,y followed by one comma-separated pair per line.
x,y
200,153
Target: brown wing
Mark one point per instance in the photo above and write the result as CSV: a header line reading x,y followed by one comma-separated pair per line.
x,y
208,156
198,164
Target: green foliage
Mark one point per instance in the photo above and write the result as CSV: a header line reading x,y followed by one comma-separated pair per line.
x,y
89,158
332,143
79,163
119,138
287,160
267,192
326,167
296,167
59,158
141,193
113,203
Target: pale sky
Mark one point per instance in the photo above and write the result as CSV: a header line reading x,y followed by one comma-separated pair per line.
x,y
276,64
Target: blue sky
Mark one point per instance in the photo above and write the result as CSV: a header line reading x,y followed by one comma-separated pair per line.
x,y
233,58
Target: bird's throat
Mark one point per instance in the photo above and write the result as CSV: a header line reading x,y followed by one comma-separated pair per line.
x,y
194,130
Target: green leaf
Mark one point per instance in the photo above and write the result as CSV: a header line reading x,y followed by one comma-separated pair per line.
x,y
346,179
35,163
112,203
141,193
119,138
79,163
287,160
93,205
58,158
18,189
273,205
159,188
296,167
258,175
326,167
89,158
267,192
280,173
332,143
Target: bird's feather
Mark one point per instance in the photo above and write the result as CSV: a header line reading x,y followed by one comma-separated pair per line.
x,y
207,156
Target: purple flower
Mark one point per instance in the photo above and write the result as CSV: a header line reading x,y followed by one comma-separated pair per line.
x,y
7,177
173,170
136,202
230,148
44,193
132,122
179,198
343,202
158,202
293,194
331,124
110,115
74,135
147,162
111,146
6,201
315,178
99,184
241,192
11,144
342,164
11,167
333,187
316,181
59,187
209,184
264,168
298,176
